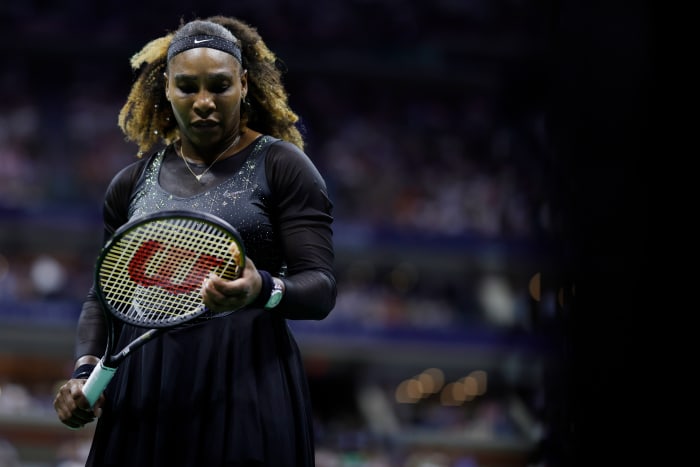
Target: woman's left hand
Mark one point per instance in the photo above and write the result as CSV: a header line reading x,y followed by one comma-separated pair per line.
x,y
221,295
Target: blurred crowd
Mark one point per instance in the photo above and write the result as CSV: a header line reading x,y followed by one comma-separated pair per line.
x,y
416,124
426,119
399,166
410,111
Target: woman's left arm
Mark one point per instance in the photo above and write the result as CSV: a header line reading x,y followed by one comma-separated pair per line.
x,y
305,214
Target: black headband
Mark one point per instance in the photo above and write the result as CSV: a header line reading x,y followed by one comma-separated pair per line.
x,y
203,40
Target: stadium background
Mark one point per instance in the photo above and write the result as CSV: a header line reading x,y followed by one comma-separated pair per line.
x,y
478,153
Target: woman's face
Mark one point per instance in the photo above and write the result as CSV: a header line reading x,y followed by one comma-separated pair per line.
x,y
205,88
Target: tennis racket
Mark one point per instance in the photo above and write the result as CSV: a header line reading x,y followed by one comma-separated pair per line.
x,y
150,273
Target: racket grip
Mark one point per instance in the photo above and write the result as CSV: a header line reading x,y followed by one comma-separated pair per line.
x,y
97,382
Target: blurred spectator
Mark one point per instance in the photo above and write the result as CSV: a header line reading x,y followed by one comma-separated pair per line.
x,y
8,454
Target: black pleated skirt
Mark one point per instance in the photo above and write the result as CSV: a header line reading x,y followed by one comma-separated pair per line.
x,y
230,391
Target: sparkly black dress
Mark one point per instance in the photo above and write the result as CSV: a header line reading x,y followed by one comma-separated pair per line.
x,y
231,391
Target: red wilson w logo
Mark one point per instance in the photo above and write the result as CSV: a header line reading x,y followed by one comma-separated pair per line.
x,y
179,271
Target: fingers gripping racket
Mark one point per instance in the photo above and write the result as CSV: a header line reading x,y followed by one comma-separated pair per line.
x,y
150,274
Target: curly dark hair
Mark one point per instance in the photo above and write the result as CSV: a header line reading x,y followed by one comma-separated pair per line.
x,y
147,118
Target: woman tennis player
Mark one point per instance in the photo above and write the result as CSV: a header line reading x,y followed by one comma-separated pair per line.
x,y
215,134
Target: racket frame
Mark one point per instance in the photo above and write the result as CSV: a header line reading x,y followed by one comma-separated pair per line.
x,y
107,366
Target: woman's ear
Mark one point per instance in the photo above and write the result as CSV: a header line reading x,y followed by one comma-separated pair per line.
x,y
167,88
244,84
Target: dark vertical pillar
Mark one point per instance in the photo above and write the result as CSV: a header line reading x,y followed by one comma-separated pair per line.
x,y
598,121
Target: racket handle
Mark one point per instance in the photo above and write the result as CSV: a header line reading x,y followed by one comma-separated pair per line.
x,y
97,382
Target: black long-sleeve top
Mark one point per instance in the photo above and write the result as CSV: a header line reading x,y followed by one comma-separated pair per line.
x,y
270,191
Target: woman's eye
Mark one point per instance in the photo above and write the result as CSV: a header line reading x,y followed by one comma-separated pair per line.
x,y
219,88
187,89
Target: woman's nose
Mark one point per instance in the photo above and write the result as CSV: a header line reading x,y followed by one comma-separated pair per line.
x,y
204,102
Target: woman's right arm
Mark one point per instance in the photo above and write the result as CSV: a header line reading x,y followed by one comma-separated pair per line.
x,y
91,338
70,403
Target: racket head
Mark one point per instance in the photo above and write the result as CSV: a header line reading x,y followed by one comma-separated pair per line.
x,y
150,272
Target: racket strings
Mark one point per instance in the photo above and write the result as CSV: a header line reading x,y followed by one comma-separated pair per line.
x,y
152,275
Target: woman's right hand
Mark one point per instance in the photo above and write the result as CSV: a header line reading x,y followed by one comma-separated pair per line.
x,y
72,406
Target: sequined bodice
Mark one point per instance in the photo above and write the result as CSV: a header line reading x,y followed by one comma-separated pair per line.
x,y
243,200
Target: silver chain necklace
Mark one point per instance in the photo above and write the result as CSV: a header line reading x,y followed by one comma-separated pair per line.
x,y
181,153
